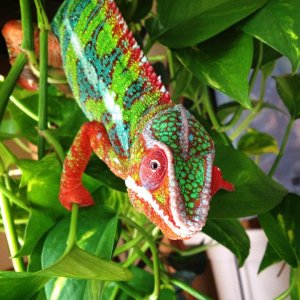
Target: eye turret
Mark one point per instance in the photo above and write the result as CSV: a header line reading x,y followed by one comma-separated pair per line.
x,y
153,169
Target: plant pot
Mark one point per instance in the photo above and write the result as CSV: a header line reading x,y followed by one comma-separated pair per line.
x,y
245,283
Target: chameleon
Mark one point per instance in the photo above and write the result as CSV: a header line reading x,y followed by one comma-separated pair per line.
x,y
161,151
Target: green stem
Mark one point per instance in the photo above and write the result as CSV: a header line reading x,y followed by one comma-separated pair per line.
x,y
23,108
235,118
7,193
257,67
27,27
210,110
282,147
246,122
55,144
113,295
152,246
129,290
188,289
10,230
44,27
127,246
43,99
73,228
188,252
22,145
295,282
157,58
10,82
170,59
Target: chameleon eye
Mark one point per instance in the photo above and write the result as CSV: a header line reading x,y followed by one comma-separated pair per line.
x,y
153,169
154,164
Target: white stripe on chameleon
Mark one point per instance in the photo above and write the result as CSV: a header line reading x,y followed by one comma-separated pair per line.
x,y
89,71
144,194
117,117
108,96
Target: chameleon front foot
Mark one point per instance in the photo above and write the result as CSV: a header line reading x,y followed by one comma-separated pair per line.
x,y
79,195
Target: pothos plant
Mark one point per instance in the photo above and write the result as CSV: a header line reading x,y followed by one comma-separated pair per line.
x,y
210,47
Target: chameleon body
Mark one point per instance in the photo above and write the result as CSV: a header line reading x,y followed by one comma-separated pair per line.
x,y
161,151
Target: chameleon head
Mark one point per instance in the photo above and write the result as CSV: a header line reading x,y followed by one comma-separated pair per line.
x,y
170,177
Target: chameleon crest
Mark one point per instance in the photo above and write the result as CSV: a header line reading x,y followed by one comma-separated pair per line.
x,y
161,151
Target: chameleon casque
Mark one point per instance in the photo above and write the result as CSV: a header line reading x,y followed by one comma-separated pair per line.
x,y
161,151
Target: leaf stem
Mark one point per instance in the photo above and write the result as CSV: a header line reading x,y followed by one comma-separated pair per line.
x,y
129,245
12,197
10,230
153,248
188,289
188,252
295,282
129,290
27,27
210,110
43,86
10,82
282,147
55,144
73,228
257,67
246,122
23,108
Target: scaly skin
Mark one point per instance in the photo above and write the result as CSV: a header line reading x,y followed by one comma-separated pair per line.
x,y
161,151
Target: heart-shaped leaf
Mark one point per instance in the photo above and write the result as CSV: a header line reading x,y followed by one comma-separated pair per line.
x,y
232,235
288,88
182,23
278,25
255,193
217,62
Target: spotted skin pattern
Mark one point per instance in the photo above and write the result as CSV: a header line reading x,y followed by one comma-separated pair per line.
x,y
161,151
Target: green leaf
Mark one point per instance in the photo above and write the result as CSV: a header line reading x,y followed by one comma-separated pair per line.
x,y
217,62
142,9
42,179
287,215
100,171
67,131
142,282
182,23
278,239
39,223
19,285
278,25
96,233
24,124
6,158
232,235
84,265
255,193
270,258
269,54
257,143
288,88
294,279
